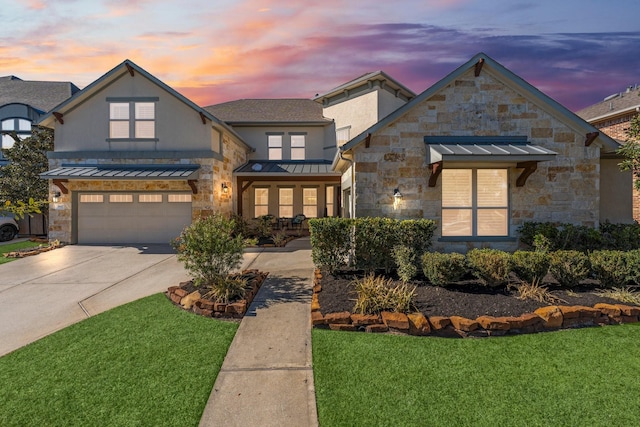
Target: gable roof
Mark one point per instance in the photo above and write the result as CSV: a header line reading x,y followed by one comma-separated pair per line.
x,y
364,84
128,66
294,110
613,105
507,76
38,94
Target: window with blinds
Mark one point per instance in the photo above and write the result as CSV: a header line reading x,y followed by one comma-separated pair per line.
x,y
310,202
285,208
261,202
132,118
475,202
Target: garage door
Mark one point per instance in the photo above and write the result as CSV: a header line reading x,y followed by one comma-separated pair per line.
x,y
122,218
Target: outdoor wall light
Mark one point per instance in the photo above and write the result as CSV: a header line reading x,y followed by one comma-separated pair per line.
x,y
397,194
225,188
56,197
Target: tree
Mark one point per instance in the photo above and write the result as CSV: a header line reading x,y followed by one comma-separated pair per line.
x,y
631,151
20,183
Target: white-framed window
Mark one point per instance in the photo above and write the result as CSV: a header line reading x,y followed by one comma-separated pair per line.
x,y
297,147
120,198
275,147
132,118
150,198
310,202
285,202
475,202
21,127
261,202
342,135
179,198
91,198
330,199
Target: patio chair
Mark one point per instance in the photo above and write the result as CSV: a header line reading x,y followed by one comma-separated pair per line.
x,y
296,222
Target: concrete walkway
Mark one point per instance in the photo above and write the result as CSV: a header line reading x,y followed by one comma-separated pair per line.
x,y
267,378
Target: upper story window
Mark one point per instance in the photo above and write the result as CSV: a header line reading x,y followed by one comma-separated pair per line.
x,y
22,127
297,147
342,135
275,147
475,202
132,120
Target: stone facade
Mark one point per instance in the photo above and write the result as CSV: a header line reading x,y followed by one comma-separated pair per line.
x,y
563,190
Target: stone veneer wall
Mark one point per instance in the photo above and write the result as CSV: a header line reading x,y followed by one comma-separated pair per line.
x,y
564,190
210,198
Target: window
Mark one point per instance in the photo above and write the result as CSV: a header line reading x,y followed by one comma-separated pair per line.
x,y
91,198
179,198
120,198
330,194
342,135
150,198
275,147
475,202
141,127
22,128
297,147
285,202
261,205
310,202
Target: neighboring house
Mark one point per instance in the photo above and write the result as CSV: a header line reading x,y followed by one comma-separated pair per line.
x,y
481,152
357,105
612,116
135,161
23,102
289,171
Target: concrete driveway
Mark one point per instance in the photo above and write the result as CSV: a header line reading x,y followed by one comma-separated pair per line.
x,y
47,292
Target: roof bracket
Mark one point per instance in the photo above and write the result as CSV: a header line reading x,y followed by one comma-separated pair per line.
x,y
203,118
60,184
436,170
367,141
529,168
192,184
58,117
129,68
590,137
478,67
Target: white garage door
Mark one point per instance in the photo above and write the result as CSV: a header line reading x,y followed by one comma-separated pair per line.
x,y
121,217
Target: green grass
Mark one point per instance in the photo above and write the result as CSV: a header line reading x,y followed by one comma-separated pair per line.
x,y
144,363
14,247
565,378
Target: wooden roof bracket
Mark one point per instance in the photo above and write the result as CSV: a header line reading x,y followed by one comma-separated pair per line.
x,y
192,183
478,67
129,68
367,141
60,184
529,168
436,170
590,137
203,118
58,117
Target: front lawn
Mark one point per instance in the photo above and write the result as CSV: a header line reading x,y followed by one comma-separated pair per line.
x,y
568,378
144,363
14,247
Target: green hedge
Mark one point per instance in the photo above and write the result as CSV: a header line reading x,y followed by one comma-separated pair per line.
x,y
554,236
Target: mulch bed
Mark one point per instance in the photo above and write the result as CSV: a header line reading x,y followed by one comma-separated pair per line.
x,y
467,299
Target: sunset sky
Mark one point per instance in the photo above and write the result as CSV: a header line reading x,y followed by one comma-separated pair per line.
x,y
576,51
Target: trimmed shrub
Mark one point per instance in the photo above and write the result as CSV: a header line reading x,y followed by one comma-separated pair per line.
x,y
580,238
569,267
531,266
209,250
416,234
633,260
623,237
374,242
330,242
491,266
405,259
375,294
610,267
441,269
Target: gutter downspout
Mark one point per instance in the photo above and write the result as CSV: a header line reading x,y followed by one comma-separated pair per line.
x,y
352,200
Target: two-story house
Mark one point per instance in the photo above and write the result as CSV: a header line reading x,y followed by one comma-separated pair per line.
x,y
23,102
135,161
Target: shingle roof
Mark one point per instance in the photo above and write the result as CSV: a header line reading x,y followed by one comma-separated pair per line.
x,y
269,110
146,172
612,105
40,95
285,167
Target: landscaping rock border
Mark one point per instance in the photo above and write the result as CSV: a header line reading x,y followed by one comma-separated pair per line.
x,y
21,253
543,319
193,301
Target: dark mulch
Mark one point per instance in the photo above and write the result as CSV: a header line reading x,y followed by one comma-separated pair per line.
x,y
467,299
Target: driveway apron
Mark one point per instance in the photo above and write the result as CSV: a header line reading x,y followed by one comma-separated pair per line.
x,y
45,293
267,378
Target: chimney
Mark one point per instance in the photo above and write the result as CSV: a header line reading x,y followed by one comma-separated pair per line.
x,y
629,88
